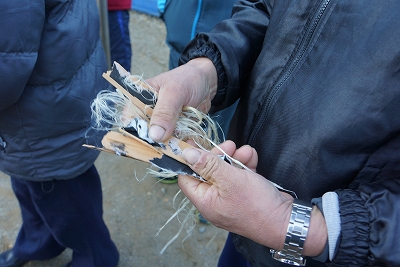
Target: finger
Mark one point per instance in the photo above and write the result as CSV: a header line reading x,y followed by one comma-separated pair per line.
x,y
248,156
228,147
164,117
192,84
207,165
166,110
191,142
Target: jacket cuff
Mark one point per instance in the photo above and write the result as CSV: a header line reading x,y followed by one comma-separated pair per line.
x,y
329,206
353,246
201,47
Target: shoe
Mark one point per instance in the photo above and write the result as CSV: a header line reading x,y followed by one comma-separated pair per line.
x,y
168,180
69,264
8,259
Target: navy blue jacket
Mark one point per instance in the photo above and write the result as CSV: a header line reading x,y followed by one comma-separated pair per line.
x,y
319,88
51,62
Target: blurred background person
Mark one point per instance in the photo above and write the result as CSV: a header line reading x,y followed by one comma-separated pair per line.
x,y
118,22
51,66
184,19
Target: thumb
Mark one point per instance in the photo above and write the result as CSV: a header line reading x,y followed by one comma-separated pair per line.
x,y
207,165
190,84
164,117
170,102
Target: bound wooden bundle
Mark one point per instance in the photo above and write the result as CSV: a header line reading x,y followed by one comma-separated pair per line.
x,y
125,114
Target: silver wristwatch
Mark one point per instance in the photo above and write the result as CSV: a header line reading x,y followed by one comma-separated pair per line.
x,y
296,235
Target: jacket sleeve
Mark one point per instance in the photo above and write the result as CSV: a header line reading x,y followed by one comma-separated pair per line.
x,y
369,228
21,26
362,225
233,46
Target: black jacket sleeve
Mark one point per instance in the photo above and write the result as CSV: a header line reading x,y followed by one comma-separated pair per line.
x,y
369,225
240,40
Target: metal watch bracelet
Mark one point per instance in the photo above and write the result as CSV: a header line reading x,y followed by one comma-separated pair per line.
x,y
296,235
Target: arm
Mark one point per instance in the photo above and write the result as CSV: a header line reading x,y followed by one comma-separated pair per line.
x,y
21,29
247,204
233,46
217,60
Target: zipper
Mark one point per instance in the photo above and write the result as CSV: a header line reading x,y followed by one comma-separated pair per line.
x,y
196,19
299,54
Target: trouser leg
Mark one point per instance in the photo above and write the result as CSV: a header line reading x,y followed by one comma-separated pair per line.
x,y
34,240
72,210
120,43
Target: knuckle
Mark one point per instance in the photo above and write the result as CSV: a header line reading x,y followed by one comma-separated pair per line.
x,y
209,166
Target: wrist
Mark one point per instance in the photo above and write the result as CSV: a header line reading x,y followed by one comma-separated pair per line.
x,y
317,234
306,234
207,69
296,234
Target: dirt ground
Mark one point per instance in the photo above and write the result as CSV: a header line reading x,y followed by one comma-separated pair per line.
x,y
135,205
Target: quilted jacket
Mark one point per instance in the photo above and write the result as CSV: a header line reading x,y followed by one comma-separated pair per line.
x,y
51,65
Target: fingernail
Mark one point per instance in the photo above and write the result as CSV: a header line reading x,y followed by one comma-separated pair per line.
x,y
156,133
191,155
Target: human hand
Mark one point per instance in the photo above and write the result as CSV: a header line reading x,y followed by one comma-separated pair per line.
x,y
243,202
193,84
236,199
